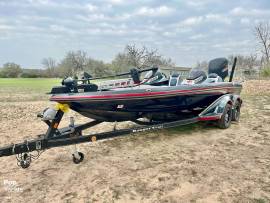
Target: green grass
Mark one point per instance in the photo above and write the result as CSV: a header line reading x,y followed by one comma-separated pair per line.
x,y
26,89
266,72
260,200
194,127
17,85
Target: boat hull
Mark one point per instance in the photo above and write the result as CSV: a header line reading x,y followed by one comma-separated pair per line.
x,y
156,103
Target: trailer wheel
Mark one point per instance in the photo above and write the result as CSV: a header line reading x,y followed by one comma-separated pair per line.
x,y
236,111
226,118
78,160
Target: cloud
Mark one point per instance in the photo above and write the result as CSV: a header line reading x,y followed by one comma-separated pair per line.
x,y
232,44
192,21
240,11
43,2
198,3
197,37
92,17
208,18
49,4
102,18
192,26
169,34
116,1
158,11
5,27
91,7
245,21
35,17
142,11
218,18
60,28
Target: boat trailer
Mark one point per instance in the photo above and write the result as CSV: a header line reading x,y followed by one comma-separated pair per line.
x,y
72,134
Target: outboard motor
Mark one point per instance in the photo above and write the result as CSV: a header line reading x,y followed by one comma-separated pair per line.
x,y
219,66
195,77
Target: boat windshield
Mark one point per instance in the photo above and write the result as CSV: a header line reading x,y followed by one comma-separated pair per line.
x,y
148,75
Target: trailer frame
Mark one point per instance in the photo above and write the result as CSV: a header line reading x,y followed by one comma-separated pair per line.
x,y
73,135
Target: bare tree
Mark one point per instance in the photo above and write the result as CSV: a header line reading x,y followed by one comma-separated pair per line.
x,y
143,57
251,62
73,63
135,56
139,58
247,65
49,62
50,65
78,59
96,68
262,32
202,65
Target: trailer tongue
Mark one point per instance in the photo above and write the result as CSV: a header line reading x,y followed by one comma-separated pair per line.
x,y
71,135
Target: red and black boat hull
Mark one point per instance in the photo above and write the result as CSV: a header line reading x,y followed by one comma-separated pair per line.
x,y
134,103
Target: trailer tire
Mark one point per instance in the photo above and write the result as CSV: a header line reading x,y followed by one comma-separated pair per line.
x,y
225,121
236,111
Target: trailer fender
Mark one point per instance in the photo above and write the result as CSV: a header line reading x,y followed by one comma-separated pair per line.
x,y
227,99
215,110
237,98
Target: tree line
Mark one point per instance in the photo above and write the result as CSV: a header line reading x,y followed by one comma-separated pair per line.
x,y
139,57
78,61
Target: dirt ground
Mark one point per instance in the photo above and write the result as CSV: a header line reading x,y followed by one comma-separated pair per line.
x,y
197,164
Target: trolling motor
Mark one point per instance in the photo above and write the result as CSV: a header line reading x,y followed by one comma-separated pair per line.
x,y
71,84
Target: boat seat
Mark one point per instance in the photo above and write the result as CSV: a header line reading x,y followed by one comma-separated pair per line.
x,y
213,78
195,77
175,79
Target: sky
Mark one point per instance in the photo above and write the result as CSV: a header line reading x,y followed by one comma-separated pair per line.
x,y
187,31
